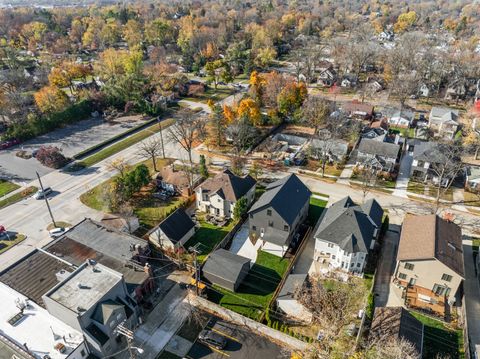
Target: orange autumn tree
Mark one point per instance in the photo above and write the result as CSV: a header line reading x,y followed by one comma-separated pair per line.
x,y
257,83
51,99
229,114
249,108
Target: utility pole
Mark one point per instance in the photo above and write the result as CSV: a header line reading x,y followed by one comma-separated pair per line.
x,y
194,249
127,333
46,200
161,136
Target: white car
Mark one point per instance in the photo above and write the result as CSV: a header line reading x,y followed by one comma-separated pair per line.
x,y
41,194
58,232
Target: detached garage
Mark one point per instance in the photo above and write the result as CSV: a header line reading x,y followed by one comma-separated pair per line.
x,y
226,269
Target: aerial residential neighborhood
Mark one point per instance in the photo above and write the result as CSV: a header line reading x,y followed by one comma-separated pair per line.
x,y
244,180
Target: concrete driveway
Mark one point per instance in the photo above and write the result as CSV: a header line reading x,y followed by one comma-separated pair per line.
x,y
404,175
472,296
386,266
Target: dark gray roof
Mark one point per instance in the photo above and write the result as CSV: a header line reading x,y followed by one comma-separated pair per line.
x,y
104,311
349,226
373,209
276,236
396,323
34,275
428,151
372,147
177,225
287,196
228,186
292,283
225,264
444,114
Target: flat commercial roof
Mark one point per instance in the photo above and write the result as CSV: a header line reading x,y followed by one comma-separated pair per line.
x,y
36,328
85,287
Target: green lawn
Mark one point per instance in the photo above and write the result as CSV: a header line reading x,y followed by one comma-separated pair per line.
x,y
427,190
18,196
6,244
440,340
254,294
210,93
123,144
149,210
314,212
7,187
208,235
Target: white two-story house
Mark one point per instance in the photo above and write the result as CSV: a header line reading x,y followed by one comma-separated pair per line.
x,y
218,195
345,235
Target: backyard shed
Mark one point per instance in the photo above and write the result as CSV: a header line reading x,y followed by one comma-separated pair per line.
x,y
226,269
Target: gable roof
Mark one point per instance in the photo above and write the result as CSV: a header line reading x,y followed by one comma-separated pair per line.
x,y
428,237
372,147
225,264
228,186
286,196
396,323
428,151
177,225
357,106
444,115
349,225
104,311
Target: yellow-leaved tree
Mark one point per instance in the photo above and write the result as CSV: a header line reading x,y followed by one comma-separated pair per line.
x,y
50,99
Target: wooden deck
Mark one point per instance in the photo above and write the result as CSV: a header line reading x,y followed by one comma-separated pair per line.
x,y
425,299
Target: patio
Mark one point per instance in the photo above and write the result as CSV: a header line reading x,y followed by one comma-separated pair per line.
x,y
424,299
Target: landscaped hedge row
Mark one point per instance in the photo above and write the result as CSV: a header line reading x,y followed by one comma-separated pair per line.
x,y
37,125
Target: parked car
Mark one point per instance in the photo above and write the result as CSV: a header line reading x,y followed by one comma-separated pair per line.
x,y
41,194
3,231
7,144
212,338
58,232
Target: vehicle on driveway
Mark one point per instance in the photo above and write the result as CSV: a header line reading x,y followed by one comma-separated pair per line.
x,y
211,338
58,232
41,194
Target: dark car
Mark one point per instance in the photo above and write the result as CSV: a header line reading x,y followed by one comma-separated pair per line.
x,y
7,144
212,338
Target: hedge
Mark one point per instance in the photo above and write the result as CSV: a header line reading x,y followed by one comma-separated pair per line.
x,y
39,125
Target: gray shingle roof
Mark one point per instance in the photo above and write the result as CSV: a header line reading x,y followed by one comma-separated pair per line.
x,y
428,151
287,196
349,226
373,147
373,209
104,311
228,186
291,284
444,114
177,225
225,264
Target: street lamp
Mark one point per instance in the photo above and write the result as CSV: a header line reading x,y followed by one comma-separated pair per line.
x,y
139,350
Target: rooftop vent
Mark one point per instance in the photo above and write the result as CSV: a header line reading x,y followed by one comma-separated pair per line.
x,y
82,286
80,309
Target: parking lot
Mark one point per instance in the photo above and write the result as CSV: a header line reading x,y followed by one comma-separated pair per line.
x,y
242,343
71,140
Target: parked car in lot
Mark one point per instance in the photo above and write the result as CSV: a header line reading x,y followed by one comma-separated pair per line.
x,y
58,232
41,194
212,338
7,144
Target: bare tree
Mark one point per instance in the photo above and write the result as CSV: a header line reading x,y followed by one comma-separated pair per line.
x,y
445,167
125,212
150,149
120,165
316,111
397,348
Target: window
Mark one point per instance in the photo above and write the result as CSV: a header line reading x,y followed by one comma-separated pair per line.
x,y
446,277
254,228
358,265
285,227
352,264
330,245
412,281
333,256
82,353
343,264
409,266
402,276
439,289
219,200
251,215
270,223
269,212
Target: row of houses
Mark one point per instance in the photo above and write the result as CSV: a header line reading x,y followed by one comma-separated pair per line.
x,y
68,299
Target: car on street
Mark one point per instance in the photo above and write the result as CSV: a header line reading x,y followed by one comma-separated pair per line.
x,y
58,232
212,338
41,194
7,144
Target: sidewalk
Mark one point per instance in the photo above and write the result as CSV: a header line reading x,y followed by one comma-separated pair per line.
x,y
345,175
403,176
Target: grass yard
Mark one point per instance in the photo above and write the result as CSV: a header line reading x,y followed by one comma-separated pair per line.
x,y
210,93
149,210
123,144
315,210
7,187
427,190
440,340
208,235
6,244
18,196
254,294
471,199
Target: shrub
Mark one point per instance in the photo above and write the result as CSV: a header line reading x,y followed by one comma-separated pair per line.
x,y
370,306
51,156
